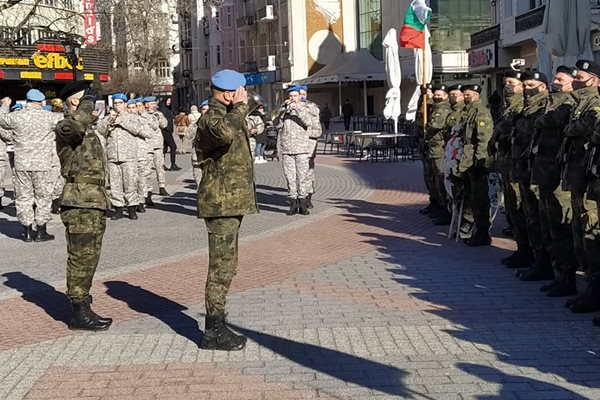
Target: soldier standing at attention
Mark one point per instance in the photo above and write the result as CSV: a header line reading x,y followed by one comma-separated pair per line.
x,y
435,139
3,165
32,132
578,134
556,213
121,129
536,99
226,194
478,127
83,207
143,165
156,154
315,132
190,134
420,132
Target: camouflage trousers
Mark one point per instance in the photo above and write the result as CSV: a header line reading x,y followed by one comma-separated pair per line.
x,y
157,160
56,182
556,217
479,197
142,183
586,232
3,168
84,228
223,261
531,210
513,204
123,183
429,178
295,169
31,187
252,142
311,168
437,189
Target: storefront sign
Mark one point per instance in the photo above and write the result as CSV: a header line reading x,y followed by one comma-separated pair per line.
x,y
54,61
483,58
258,78
89,20
13,61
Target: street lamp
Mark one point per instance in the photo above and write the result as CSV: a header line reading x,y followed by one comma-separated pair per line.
x,y
72,51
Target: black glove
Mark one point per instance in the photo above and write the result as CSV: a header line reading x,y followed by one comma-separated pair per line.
x,y
90,94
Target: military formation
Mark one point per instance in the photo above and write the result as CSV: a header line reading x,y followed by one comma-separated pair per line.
x,y
545,146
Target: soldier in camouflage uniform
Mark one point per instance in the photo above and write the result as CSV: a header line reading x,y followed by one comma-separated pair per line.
x,y
32,132
190,135
122,129
420,133
436,135
313,137
295,121
226,194
535,91
475,161
156,154
56,181
574,177
143,166
555,209
83,207
3,165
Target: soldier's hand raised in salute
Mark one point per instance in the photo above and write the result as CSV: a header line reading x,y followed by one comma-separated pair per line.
x,y
6,101
240,96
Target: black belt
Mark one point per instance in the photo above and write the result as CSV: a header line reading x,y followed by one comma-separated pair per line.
x,y
83,179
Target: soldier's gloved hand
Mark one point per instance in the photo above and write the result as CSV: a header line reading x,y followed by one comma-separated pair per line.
x,y
90,94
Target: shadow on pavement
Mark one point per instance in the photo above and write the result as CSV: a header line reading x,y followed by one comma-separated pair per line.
x,y
178,202
514,386
144,301
54,303
351,369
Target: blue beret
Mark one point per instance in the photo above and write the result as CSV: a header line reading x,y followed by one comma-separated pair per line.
x,y
303,87
119,96
130,101
228,79
293,89
204,103
17,106
149,99
35,95
138,100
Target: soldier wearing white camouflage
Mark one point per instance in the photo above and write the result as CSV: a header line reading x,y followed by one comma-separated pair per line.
x,y
190,135
316,131
294,119
3,164
32,132
144,153
121,129
156,147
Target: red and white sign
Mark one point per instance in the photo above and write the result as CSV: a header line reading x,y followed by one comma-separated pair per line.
x,y
89,18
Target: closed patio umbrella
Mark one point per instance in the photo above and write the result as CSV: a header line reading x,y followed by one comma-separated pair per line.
x,y
394,77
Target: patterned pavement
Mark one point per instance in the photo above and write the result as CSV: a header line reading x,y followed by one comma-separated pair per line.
x,y
363,299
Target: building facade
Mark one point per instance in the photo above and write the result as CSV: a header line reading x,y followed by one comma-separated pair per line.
x,y
34,55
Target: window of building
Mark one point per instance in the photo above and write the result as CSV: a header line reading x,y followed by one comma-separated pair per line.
x,y
369,26
217,21
453,21
69,4
230,51
206,59
218,54
163,69
137,67
229,22
51,3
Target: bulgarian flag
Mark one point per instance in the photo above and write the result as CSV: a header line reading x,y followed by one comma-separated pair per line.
x,y
412,34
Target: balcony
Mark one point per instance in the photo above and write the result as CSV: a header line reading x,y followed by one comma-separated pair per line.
x,y
488,35
530,19
245,23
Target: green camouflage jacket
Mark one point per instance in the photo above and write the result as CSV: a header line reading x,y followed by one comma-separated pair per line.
x,y
477,133
436,128
548,138
534,107
82,160
500,143
223,152
456,117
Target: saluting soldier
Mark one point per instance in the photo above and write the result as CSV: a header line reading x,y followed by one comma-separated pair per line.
x,y
32,132
535,91
478,127
578,134
555,209
156,155
226,194
436,134
83,207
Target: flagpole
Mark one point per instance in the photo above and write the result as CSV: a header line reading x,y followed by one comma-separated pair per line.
x,y
424,81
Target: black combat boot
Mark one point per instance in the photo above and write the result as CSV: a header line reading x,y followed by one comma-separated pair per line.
x,y
55,208
564,285
132,213
174,167
83,318
522,258
293,207
141,208
118,214
429,209
541,270
309,203
42,235
302,207
508,231
480,238
163,192
443,218
27,233
217,336
149,202
588,301
1,206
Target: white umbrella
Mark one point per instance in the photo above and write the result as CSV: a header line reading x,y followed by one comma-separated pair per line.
x,y
394,77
